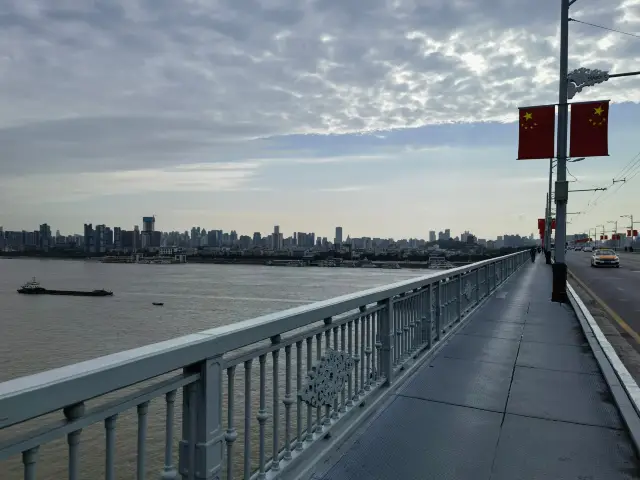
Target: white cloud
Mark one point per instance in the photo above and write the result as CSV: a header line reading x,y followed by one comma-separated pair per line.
x,y
180,95
118,84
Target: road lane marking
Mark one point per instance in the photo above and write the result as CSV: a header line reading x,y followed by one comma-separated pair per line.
x,y
624,325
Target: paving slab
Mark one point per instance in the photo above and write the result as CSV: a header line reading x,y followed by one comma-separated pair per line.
x,y
516,394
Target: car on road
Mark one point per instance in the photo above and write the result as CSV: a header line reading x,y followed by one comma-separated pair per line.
x,y
605,257
587,249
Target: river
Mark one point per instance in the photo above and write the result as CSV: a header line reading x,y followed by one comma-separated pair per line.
x,y
44,332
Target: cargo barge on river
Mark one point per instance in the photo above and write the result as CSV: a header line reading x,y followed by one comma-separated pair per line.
x,y
34,288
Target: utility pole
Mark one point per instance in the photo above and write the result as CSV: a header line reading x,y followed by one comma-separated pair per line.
x,y
615,231
559,291
548,220
630,217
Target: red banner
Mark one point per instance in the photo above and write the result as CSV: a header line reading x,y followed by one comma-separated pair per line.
x,y
589,129
541,224
635,233
537,132
628,233
601,237
553,224
606,237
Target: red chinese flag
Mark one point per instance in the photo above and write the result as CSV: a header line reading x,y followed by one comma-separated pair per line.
x,y
628,233
537,132
601,237
541,224
553,224
635,233
589,130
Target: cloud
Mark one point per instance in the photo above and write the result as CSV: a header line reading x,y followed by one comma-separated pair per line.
x,y
116,85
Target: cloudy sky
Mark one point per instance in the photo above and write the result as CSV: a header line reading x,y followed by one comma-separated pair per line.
x,y
388,117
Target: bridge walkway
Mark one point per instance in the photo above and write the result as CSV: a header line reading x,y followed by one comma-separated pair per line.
x,y
516,394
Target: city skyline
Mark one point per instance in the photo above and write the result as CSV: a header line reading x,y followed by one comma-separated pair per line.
x,y
430,236
382,117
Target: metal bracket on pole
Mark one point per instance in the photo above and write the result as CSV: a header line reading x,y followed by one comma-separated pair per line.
x,y
584,77
562,192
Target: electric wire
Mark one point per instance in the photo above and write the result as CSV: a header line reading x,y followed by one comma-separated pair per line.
x,y
605,28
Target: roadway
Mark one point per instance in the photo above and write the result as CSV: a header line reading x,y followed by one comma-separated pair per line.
x,y
617,288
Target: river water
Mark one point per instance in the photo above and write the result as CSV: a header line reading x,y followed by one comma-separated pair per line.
x,y
44,332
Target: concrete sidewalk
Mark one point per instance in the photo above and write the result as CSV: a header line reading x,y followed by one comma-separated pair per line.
x,y
515,395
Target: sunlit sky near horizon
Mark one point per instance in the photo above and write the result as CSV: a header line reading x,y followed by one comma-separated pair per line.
x,y
389,118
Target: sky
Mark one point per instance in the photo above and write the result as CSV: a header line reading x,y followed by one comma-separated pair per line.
x,y
389,118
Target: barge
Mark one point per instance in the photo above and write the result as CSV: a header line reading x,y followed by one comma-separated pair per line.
x,y
34,288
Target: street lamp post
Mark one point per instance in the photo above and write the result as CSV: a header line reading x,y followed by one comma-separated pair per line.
x,y
559,291
630,217
569,85
601,226
615,231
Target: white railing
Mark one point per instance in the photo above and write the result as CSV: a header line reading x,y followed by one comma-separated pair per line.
x,y
234,421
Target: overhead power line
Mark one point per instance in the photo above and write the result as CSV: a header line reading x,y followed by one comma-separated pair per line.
x,y
605,28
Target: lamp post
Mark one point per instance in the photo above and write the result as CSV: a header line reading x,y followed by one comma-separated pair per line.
x,y
630,217
569,85
601,226
615,231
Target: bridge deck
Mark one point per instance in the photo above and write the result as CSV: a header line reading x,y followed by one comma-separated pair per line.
x,y
516,394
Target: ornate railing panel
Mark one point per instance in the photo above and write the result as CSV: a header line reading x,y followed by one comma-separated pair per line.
x,y
240,401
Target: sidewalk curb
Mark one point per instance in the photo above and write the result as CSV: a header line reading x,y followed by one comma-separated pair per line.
x,y
623,387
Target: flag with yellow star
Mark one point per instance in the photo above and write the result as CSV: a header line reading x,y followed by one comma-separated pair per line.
x,y
537,132
589,133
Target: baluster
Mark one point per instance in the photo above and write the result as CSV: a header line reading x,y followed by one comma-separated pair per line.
x,y
419,334
406,329
298,389
356,359
318,359
262,415
192,421
275,464
231,434
169,471
247,419
343,344
396,324
73,439
378,337
363,349
309,408
367,352
110,447
288,401
327,344
334,413
29,462
439,311
350,379
386,338
402,315
143,409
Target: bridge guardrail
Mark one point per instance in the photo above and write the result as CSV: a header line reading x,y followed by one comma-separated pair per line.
x,y
364,340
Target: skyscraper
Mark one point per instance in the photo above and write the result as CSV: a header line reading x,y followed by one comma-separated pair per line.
x,y
338,239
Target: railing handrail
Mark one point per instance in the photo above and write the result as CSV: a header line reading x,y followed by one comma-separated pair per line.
x,y
35,395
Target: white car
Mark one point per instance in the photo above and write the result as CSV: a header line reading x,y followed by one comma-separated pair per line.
x,y
605,257
587,249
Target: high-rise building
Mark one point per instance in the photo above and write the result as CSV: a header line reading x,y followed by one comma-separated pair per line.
x,y
45,236
432,236
88,238
148,224
338,239
276,238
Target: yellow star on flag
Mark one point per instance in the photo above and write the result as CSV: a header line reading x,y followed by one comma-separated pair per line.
x,y
598,110
528,116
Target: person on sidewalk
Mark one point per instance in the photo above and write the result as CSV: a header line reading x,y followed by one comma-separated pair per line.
x,y
532,251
